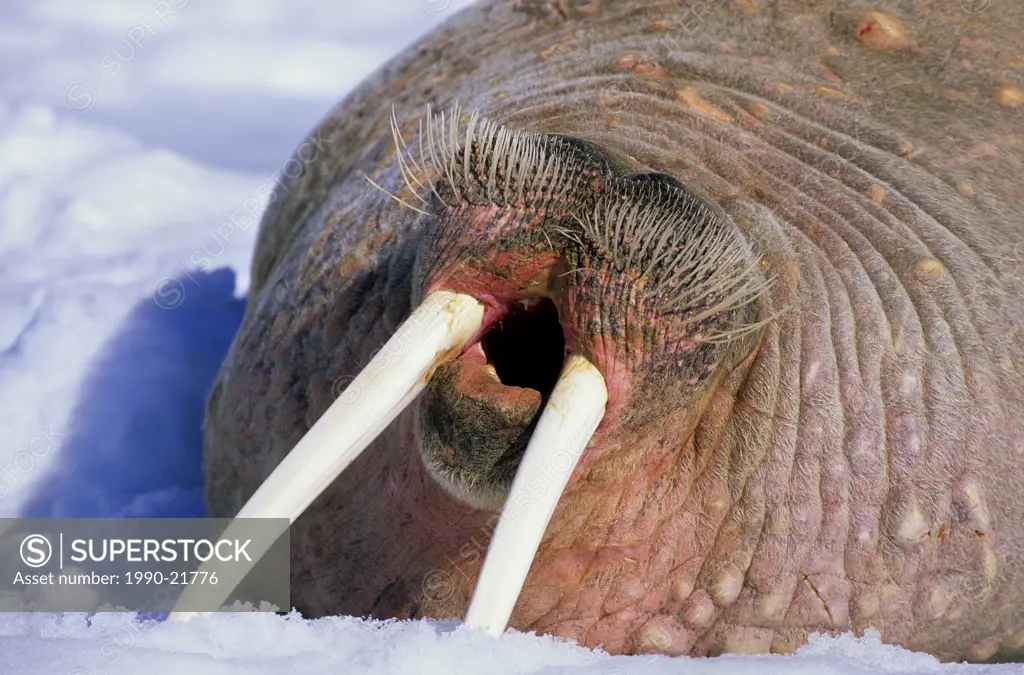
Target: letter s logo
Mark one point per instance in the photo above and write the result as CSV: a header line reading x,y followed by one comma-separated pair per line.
x,y
36,550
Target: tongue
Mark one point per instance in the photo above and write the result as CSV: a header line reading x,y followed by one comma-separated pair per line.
x,y
569,420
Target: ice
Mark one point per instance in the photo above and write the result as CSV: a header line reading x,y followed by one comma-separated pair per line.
x,y
258,644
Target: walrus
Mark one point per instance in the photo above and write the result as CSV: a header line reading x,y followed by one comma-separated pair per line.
x,y
673,327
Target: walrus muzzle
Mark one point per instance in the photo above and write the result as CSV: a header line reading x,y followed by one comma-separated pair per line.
x,y
441,328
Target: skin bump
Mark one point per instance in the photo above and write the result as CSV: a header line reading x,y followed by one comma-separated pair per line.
x,y
1010,96
662,635
883,31
965,189
930,268
982,650
693,100
940,599
1014,640
772,606
991,564
913,526
865,606
746,640
726,586
683,587
699,610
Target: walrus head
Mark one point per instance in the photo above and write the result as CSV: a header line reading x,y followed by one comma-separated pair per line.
x,y
574,312
709,343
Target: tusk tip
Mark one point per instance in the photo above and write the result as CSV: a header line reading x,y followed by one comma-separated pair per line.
x,y
568,422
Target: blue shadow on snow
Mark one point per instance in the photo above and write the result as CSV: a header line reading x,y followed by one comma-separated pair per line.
x,y
135,443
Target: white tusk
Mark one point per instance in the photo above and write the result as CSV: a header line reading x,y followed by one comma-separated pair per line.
x,y
442,324
571,416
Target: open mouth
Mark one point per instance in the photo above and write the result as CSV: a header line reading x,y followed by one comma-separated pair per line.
x,y
526,347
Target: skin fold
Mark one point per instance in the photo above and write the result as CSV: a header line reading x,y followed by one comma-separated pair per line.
x,y
851,462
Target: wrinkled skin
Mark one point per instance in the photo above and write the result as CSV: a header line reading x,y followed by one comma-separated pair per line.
x,y
855,463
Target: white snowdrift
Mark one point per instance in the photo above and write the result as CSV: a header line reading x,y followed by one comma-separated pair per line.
x,y
139,140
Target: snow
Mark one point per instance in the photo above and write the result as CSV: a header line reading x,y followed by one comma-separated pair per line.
x,y
255,644
138,142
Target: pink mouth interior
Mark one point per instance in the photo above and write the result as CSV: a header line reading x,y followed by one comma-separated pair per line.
x,y
521,336
525,345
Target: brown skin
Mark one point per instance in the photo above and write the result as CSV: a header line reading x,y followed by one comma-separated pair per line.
x,y
854,464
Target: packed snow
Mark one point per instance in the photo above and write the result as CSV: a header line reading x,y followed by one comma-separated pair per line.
x,y
260,644
138,141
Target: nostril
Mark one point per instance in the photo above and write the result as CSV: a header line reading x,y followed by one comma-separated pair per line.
x,y
527,346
